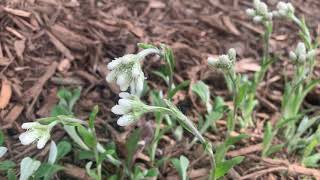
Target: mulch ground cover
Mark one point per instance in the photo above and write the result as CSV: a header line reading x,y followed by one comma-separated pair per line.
x,y
49,44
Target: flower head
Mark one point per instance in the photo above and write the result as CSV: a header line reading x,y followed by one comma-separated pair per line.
x,y
130,107
126,71
284,10
260,12
300,55
225,61
36,132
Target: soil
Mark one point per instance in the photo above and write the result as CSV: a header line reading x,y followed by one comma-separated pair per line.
x,y
49,44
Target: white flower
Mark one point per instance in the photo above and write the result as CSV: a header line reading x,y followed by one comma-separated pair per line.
x,y
260,12
126,71
36,132
28,167
130,107
3,151
300,55
284,9
224,62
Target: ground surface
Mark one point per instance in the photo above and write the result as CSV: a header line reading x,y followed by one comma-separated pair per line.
x,y
48,44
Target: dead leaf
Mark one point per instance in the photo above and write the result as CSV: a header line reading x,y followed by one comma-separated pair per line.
x,y
5,93
157,5
247,64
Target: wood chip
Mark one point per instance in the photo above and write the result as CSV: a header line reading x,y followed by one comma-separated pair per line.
x,y
61,47
19,46
5,93
17,12
13,114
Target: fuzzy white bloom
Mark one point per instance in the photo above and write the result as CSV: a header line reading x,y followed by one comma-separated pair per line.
x,y
130,107
300,55
3,151
260,12
284,9
126,71
36,132
225,61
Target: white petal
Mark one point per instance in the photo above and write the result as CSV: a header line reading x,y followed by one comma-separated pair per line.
x,y
125,120
42,141
53,153
3,151
113,64
139,85
123,82
125,103
117,109
124,95
136,70
28,137
111,76
29,125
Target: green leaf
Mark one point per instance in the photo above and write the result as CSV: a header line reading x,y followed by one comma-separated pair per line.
x,y
267,138
131,146
181,166
224,167
273,149
87,137
1,138
64,147
146,46
181,86
235,139
85,155
47,171
312,161
162,76
76,93
7,164
151,173
202,90
11,175
92,116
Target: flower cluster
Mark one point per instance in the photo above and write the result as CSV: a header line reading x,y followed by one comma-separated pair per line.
x,y
260,12
36,132
130,107
284,10
225,61
300,55
126,71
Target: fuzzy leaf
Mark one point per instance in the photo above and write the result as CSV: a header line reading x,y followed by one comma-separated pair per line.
x,y
224,167
181,165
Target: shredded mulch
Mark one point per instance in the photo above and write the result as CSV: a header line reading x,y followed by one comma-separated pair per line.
x,y
49,44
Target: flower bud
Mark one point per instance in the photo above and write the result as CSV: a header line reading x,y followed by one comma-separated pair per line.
x,y
232,54
301,49
257,19
251,12
292,56
311,53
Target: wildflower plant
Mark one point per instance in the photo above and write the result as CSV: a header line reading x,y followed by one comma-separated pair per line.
x,y
130,112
